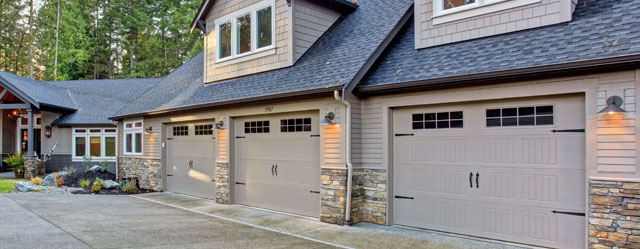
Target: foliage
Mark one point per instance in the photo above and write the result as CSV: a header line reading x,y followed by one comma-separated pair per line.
x,y
36,180
59,181
85,183
15,161
96,188
87,161
6,185
130,186
105,166
99,182
70,170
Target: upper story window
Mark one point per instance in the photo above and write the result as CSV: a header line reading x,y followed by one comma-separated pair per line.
x,y
133,138
450,4
246,31
453,10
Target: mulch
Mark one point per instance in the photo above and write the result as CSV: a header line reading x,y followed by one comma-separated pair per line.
x,y
73,180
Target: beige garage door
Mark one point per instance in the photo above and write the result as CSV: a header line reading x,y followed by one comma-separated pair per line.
x,y
494,169
277,162
190,157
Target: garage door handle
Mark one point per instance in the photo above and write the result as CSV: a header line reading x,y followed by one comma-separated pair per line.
x,y
568,213
477,180
276,170
314,192
272,166
403,197
241,137
241,183
568,130
404,134
169,175
471,179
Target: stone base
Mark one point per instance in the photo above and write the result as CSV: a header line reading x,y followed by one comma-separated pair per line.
x,y
369,196
222,183
333,196
614,214
147,171
30,167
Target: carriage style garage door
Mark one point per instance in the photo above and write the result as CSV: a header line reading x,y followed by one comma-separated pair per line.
x,y
494,169
277,162
190,158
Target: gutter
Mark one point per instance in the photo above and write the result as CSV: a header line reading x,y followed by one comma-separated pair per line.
x,y
336,95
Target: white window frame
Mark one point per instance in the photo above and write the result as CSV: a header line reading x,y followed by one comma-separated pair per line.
x,y
480,7
20,126
133,130
258,52
103,134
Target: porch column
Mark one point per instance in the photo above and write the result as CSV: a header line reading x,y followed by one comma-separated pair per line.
x,y
31,159
30,141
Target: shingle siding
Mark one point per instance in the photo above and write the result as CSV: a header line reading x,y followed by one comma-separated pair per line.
x,y
310,21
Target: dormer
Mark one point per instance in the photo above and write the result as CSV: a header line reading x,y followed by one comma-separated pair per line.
x,y
244,37
441,22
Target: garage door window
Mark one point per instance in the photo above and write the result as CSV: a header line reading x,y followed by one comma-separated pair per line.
x,y
180,131
203,130
437,120
295,125
520,116
256,127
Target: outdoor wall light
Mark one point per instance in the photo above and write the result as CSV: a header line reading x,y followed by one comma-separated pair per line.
x,y
15,114
149,130
218,126
47,131
329,119
613,106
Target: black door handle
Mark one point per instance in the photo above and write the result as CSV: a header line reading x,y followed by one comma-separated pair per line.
x,y
477,180
276,170
471,179
272,166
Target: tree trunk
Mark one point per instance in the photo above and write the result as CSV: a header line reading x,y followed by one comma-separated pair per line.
x,y
55,64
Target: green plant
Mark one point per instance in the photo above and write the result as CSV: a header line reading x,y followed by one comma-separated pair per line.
x,y
130,186
99,181
70,170
85,183
87,161
96,188
36,180
105,166
15,161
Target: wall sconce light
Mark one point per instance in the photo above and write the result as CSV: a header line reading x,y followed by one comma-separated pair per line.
x,y
47,131
218,126
329,118
613,106
15,114
149,130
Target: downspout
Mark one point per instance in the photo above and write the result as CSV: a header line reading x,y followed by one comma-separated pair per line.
x,y
336,95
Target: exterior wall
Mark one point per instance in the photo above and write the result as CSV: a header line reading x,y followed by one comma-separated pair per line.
x,y
148,172
333,191
369,196
429,32
59,162
283,56
614,217
8,134
60,135
310,21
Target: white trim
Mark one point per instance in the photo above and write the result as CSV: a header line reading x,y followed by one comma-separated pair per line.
x,y
480,7
133,131
255,51
103,135
245,57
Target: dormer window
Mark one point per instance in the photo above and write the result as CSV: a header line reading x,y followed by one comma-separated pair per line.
x,y
452,10
248,31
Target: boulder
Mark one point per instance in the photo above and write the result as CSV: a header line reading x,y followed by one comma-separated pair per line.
x,y
109,184
96,168
25,186
49,180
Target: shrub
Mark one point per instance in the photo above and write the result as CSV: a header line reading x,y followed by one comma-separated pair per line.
x,y
130,186
36,181
85,183
70,170
99,181
105,166
86,161
59,181
96,188
15,161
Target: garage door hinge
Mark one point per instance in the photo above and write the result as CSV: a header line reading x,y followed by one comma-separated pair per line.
x,y
314,192
568,130
241,183
241,137
403,197
315,135
404,134
568,213
170,138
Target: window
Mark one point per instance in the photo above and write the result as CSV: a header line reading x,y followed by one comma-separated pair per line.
x,y
452,10
181,130
246,31
295,125
256,127
99,143
206,129
133,138
450,4
520,116
437,120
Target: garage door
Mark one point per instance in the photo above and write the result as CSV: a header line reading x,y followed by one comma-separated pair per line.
x,y
277,163
190,157
494,169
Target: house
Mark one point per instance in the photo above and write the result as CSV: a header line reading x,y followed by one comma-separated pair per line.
x,y
511,120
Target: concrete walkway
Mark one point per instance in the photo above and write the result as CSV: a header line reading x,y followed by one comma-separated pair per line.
x,y
7,175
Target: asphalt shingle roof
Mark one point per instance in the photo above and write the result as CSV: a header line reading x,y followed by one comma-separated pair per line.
x,y
42,94
333,61
584,38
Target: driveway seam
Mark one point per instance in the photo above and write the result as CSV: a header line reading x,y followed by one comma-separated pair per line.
x,y
244,223
73,236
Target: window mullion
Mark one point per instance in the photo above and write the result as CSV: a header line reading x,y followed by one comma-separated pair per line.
x,y
234,37
254,29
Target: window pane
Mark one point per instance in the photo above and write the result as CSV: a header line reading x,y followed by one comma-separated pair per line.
x,y
493,113
128,143
429,116
525,111
450,4
456,115
510,112
443,124
456,123
443,116
525,121
110,146
493,122
417,117
94,146
307,127
264,32
81,145
430,125
509,121
138,143
418,125
544,120
544,110
243,32
225,40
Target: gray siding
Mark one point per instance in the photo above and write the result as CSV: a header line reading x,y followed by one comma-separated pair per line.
x,y
8,134
60,135
356,130
310,21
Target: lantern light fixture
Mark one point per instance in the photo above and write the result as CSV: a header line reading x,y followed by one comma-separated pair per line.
x,y
329,118
218,126
149,130
47,131
614,104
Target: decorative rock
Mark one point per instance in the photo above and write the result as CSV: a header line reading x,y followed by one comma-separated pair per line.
x,y
25,186
49,180
96,168
109,184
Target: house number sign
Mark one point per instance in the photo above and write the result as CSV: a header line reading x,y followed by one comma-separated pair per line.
x,y
268,109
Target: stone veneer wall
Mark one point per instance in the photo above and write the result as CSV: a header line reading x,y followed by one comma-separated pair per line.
x,y
614,214
147,171
369,196
333,196
222,183
30,167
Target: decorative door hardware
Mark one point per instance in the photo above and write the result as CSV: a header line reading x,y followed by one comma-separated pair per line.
x,y
241,183
276,170
568,213
404,135
190,164
470,179
240,137
477,180
403,197
314,192
568,130
272,169
315,135
169,175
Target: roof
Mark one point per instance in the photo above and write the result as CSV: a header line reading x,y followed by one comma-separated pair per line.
x,y
339,5
96,100
36,93
602,29
334,61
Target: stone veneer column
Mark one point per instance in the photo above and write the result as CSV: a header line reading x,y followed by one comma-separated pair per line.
x,y
614,214
333,191
369,196
30,167
147,171
222,183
